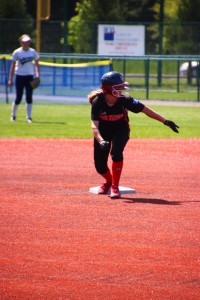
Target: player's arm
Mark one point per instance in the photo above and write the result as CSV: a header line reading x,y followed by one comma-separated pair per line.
x,y
105,145
37,68
154,115
95,131
12,70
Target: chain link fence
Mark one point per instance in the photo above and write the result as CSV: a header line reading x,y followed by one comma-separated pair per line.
x,y
176,38
143,74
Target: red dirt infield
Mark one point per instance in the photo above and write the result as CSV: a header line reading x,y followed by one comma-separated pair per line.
x,y
58,241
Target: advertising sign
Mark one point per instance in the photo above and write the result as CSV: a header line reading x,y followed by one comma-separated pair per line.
x,y
121,40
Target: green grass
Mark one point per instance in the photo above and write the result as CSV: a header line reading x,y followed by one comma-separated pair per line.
x,y
168,95
188,119
73,121
138,66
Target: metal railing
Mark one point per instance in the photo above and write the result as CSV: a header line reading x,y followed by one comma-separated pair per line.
x,y
150,77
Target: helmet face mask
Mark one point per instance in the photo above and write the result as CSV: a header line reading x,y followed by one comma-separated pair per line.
x,y
114,84
118,90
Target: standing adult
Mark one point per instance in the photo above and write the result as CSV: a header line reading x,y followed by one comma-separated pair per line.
x,y
110,127
25,70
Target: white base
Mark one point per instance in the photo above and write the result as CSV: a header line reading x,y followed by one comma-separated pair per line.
x,y
122,190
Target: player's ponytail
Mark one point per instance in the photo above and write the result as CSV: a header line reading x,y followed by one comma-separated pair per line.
x,y
93,95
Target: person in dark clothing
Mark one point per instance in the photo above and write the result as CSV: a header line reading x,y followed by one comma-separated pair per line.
x,y
110,127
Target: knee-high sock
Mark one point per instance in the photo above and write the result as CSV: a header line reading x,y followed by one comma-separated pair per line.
x,y
14,109
107,176
116,172
28,110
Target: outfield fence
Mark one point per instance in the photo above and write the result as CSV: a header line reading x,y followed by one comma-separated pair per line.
x,y
72,77
172,38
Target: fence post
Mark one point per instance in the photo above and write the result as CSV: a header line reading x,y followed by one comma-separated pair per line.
x,y
160,41
147,77
54,78
178,77
198,81
5,78
124,67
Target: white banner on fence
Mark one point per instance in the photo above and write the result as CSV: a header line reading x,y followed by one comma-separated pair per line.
x,y
121,40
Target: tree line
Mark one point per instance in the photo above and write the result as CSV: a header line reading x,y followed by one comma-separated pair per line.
x,y
180,32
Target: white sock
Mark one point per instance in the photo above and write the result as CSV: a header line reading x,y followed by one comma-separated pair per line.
x,y
28,110
14,109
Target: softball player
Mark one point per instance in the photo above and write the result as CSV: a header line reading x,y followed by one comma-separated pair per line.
x,y
110,127
22,66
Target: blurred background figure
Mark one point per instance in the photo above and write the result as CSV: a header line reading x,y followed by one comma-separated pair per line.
x,y
25,70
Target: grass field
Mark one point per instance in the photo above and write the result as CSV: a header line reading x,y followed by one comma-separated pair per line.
x,y
73,121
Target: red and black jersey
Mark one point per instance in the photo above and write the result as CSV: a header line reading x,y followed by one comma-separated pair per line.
x,y
111,117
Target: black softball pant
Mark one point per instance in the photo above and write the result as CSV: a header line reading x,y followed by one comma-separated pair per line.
x,y
21,83
118,141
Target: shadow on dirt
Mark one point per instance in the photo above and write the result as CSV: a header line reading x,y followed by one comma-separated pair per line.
x,y
149,201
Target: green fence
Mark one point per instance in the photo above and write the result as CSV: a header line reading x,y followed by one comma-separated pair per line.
x,y
160,38
150,77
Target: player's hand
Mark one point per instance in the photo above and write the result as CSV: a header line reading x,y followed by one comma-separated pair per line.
x,y
172,125
10,82
105,146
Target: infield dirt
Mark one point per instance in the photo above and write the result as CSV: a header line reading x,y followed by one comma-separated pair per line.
x,y
58,241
